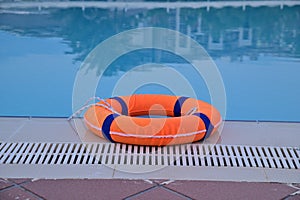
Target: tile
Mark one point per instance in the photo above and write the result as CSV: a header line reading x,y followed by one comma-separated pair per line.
x,y
53,129
17,193
46,130
84,134
158,193
86,189
161,181
10,126
231,190
296,185
261,134
20,180
5,183
294,197
60,130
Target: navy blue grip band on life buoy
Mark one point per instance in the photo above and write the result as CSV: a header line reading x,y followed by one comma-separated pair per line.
x,y
123,105
106,126
177,106
208,125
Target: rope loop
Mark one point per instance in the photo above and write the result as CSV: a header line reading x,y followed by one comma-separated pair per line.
x,y
101,102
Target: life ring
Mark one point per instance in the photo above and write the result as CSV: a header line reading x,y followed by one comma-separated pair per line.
x,y
116,119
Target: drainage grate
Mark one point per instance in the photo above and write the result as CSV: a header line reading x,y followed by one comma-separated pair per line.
x,y
122,154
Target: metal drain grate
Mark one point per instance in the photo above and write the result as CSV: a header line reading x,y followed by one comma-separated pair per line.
x,y
121,154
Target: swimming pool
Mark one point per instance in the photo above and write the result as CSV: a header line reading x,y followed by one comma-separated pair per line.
x,y
256,49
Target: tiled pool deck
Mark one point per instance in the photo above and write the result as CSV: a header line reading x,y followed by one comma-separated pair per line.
x,y
143,189
58,130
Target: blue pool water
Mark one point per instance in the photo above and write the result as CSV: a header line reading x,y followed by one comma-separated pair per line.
x,y
257,51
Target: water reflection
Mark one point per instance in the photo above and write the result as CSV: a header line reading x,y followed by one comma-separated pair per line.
x,y
228,31
256,49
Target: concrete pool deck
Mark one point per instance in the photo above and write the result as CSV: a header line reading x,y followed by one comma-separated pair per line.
x,y
44,130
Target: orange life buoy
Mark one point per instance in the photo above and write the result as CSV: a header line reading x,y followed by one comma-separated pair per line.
x,y
117,119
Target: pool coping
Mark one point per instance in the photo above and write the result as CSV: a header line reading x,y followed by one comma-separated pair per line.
x,y
37,129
